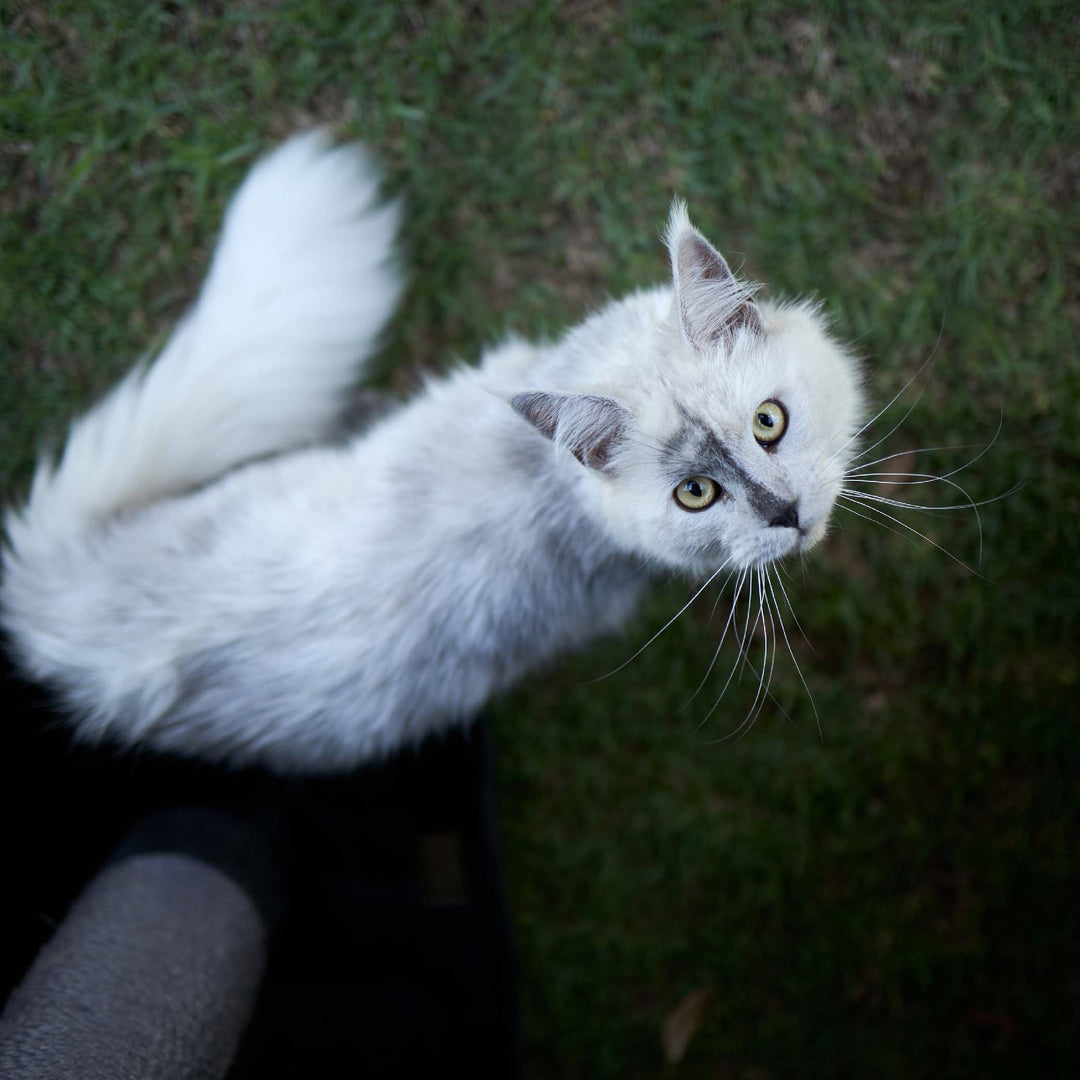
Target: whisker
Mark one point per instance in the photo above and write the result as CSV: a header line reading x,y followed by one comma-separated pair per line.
x,y
948,512
791,652
772,626
708,582
767,624
904,525
748,631
747,662
720,595
769,613
889,528
925,450
716,653
762,692
778,567
895,428
912,481
892,401
918,450
971,504
763,612
742,655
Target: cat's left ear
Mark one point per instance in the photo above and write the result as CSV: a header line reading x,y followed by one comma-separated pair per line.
x,y
588,425
712,303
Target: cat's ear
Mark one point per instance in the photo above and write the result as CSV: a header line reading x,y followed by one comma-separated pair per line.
x,y
712,303
587,425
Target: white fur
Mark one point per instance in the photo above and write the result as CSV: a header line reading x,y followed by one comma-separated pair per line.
x,y
328,605
300,287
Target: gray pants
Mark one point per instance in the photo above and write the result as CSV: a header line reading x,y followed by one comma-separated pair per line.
x,y
153,974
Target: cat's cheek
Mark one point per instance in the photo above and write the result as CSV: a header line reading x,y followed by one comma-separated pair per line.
x,y
631,527
773,546
675,545
814,535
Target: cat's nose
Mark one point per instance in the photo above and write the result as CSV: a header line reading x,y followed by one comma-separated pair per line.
x,y
788,517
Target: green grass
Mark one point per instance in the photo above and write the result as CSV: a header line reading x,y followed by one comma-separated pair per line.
x,y
896,898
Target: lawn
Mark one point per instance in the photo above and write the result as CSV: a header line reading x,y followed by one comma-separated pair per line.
x,y
882,882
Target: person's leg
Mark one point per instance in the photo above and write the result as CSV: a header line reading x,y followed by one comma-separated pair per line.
x,y
155,970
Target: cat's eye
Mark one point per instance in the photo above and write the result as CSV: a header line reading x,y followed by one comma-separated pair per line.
x,y
697,493
770,422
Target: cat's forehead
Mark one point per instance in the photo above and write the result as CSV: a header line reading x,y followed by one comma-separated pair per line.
x,y
711,395
697,436
718,445
713,398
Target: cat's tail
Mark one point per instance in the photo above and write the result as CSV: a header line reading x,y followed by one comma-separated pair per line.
x,y
301,285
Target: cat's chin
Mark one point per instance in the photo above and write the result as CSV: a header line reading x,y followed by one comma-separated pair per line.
x,y
767,547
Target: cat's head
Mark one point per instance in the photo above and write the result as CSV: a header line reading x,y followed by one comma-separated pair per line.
x,y
711,427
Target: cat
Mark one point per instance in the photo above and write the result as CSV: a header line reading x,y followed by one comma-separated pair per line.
x,y
207,571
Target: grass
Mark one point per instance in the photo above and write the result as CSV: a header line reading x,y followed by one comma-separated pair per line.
x,y
897,897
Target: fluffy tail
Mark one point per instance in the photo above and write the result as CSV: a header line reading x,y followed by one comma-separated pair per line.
x,y
299,289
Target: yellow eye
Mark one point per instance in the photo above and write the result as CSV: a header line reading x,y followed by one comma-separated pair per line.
x,y
697,492
770,422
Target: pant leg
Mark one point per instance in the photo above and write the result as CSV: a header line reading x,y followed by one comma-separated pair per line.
x,y
152,975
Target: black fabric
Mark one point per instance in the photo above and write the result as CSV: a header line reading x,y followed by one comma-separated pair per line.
x,y
248,849
390,947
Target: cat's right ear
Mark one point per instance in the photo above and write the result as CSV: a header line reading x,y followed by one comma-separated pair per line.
x,y
588,425
713,304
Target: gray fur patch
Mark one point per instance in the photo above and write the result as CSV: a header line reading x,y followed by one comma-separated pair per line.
x,y
697,442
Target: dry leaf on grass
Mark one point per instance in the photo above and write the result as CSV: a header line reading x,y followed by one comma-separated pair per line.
x,y
681,1023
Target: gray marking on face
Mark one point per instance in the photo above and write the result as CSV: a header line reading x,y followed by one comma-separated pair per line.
x,y
697,442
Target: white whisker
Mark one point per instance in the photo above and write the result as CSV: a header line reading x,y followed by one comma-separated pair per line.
x,y
903,525
742,655
720,595
778,567
767,665
971,504
918,450
936,508
892,431
872,496
674,617
913,481
723,636
929,449
748,632
791,652
892,401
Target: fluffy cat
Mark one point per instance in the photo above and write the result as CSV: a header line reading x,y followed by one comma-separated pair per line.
x,y
204,572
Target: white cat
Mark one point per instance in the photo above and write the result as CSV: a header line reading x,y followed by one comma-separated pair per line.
x,y
198,574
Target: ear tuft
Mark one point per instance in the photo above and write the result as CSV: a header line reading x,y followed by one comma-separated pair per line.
x,y
713,304
587,425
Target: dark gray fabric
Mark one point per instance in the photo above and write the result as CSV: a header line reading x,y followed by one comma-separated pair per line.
x,y
152,976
